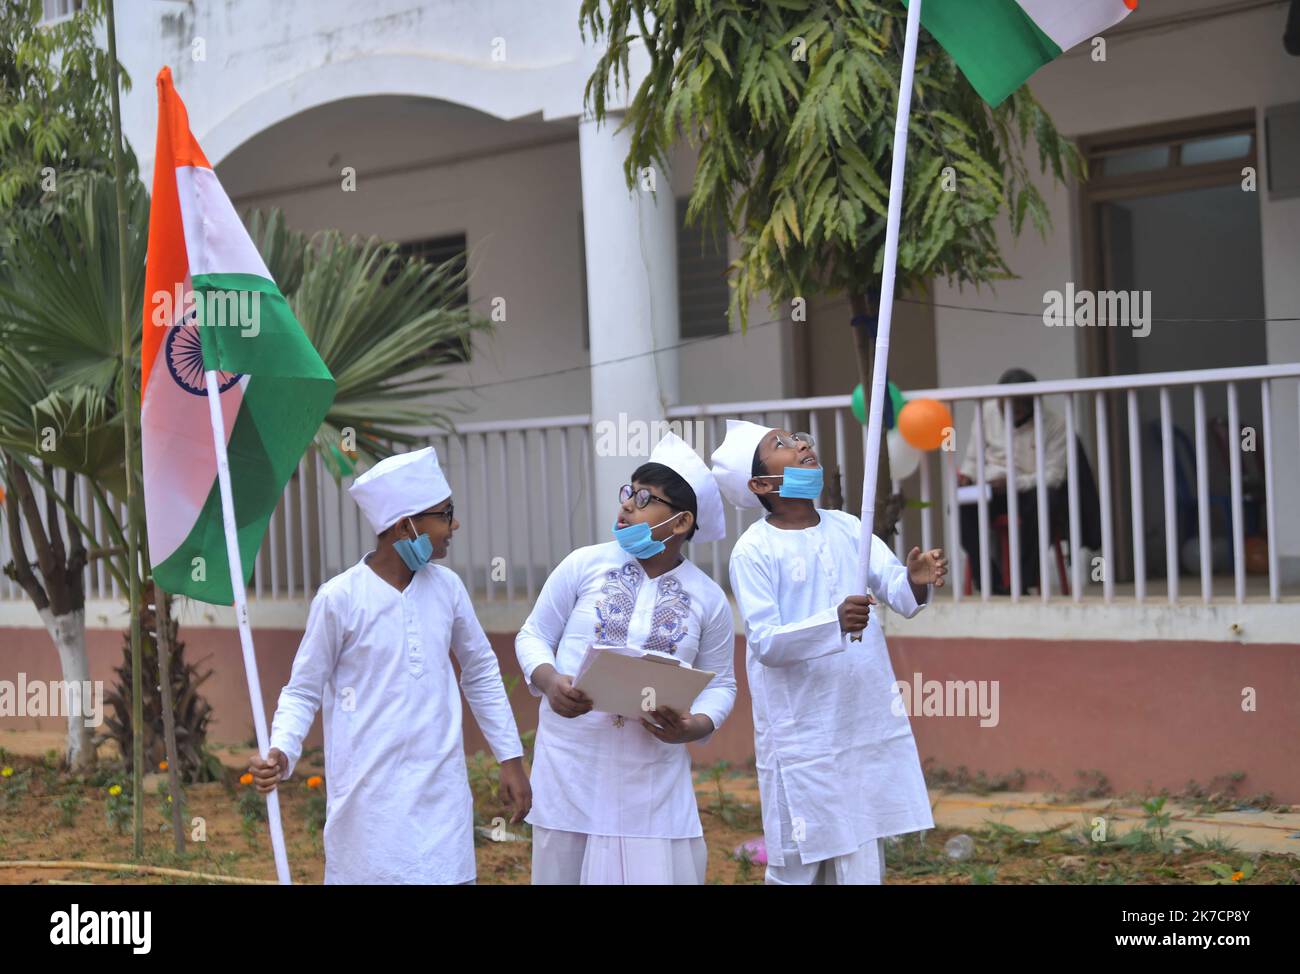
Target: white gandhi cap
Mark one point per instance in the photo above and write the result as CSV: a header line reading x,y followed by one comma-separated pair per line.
x,y
400,486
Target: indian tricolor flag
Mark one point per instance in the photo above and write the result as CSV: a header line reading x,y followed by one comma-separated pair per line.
x,y
998,44
210,303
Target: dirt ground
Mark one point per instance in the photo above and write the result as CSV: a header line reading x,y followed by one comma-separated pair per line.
x,y
47,816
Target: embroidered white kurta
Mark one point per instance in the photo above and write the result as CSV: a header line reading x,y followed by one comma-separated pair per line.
x,y
600,774
377,662
823,717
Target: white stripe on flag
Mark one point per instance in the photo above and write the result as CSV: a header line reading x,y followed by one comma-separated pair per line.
x,y
1069,22
215,238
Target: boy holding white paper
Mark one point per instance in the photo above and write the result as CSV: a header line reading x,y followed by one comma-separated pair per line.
x,y
613,801
837,765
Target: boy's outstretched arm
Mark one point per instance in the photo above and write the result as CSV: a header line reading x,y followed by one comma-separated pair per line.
x,y
317,656
906,588
480,679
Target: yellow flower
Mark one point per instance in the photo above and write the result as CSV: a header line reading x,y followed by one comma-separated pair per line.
x,y
115,790
1238,876
245,778
6,772
315,781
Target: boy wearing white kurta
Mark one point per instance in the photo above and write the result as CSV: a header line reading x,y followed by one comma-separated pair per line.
x,y
375,658
837,764
613,797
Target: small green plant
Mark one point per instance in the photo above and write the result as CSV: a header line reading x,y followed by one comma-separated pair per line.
x,y
1155,834
744,865
1218,843
484,777
69,804
117,805
252,811
165,805
1225,875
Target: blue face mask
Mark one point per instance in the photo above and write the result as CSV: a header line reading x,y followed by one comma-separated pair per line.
x,y
415,554
635,539
804,483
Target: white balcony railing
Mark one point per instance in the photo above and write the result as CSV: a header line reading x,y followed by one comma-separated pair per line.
x,y
1182,511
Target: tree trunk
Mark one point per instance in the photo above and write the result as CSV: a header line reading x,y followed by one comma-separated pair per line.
x,y
59,593
163,626
69,634
889,506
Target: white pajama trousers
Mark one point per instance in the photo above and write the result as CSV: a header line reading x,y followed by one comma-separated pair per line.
x,y
576,859
864,867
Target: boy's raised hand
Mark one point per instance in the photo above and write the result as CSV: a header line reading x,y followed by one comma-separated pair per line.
x,y
927,567
854,612
268,771
515,789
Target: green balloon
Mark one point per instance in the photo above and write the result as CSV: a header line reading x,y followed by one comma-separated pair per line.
x,y
896,400
859,404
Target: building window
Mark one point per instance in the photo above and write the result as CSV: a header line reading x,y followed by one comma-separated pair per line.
x,y
52,10
702,290
437,251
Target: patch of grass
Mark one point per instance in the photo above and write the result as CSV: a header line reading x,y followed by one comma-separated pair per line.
x,y
1093,784
1221,795
980,783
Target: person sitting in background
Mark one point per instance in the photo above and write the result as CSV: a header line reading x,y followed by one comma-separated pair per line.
x,y
1025,474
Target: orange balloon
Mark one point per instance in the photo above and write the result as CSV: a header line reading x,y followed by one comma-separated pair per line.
x,y
923,422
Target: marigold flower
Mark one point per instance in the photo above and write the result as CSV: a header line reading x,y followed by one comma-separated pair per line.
x,y
246,778
162,765
1238,876
315,781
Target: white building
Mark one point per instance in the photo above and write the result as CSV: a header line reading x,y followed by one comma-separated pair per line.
x,y
462,124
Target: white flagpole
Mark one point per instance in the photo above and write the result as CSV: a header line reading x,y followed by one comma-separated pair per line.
x,y
876,418
241,614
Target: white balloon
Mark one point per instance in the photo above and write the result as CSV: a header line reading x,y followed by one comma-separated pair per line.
x,y
903,457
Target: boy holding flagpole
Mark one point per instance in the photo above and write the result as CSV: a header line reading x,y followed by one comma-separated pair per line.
x,y
375,658
837,765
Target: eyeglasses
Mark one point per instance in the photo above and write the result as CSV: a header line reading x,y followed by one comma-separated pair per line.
x,y
794,441
449,513
641,497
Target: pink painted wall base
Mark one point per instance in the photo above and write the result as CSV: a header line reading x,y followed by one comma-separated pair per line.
x,y
1148,716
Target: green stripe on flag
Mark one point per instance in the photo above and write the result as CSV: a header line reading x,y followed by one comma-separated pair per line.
x,y
288,392
994,42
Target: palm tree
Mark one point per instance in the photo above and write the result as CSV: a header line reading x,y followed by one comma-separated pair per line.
x,y
382,324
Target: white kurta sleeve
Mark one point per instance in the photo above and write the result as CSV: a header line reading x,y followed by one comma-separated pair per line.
x,y
717,653
888,581
313,666
544,627
480,679
774,641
